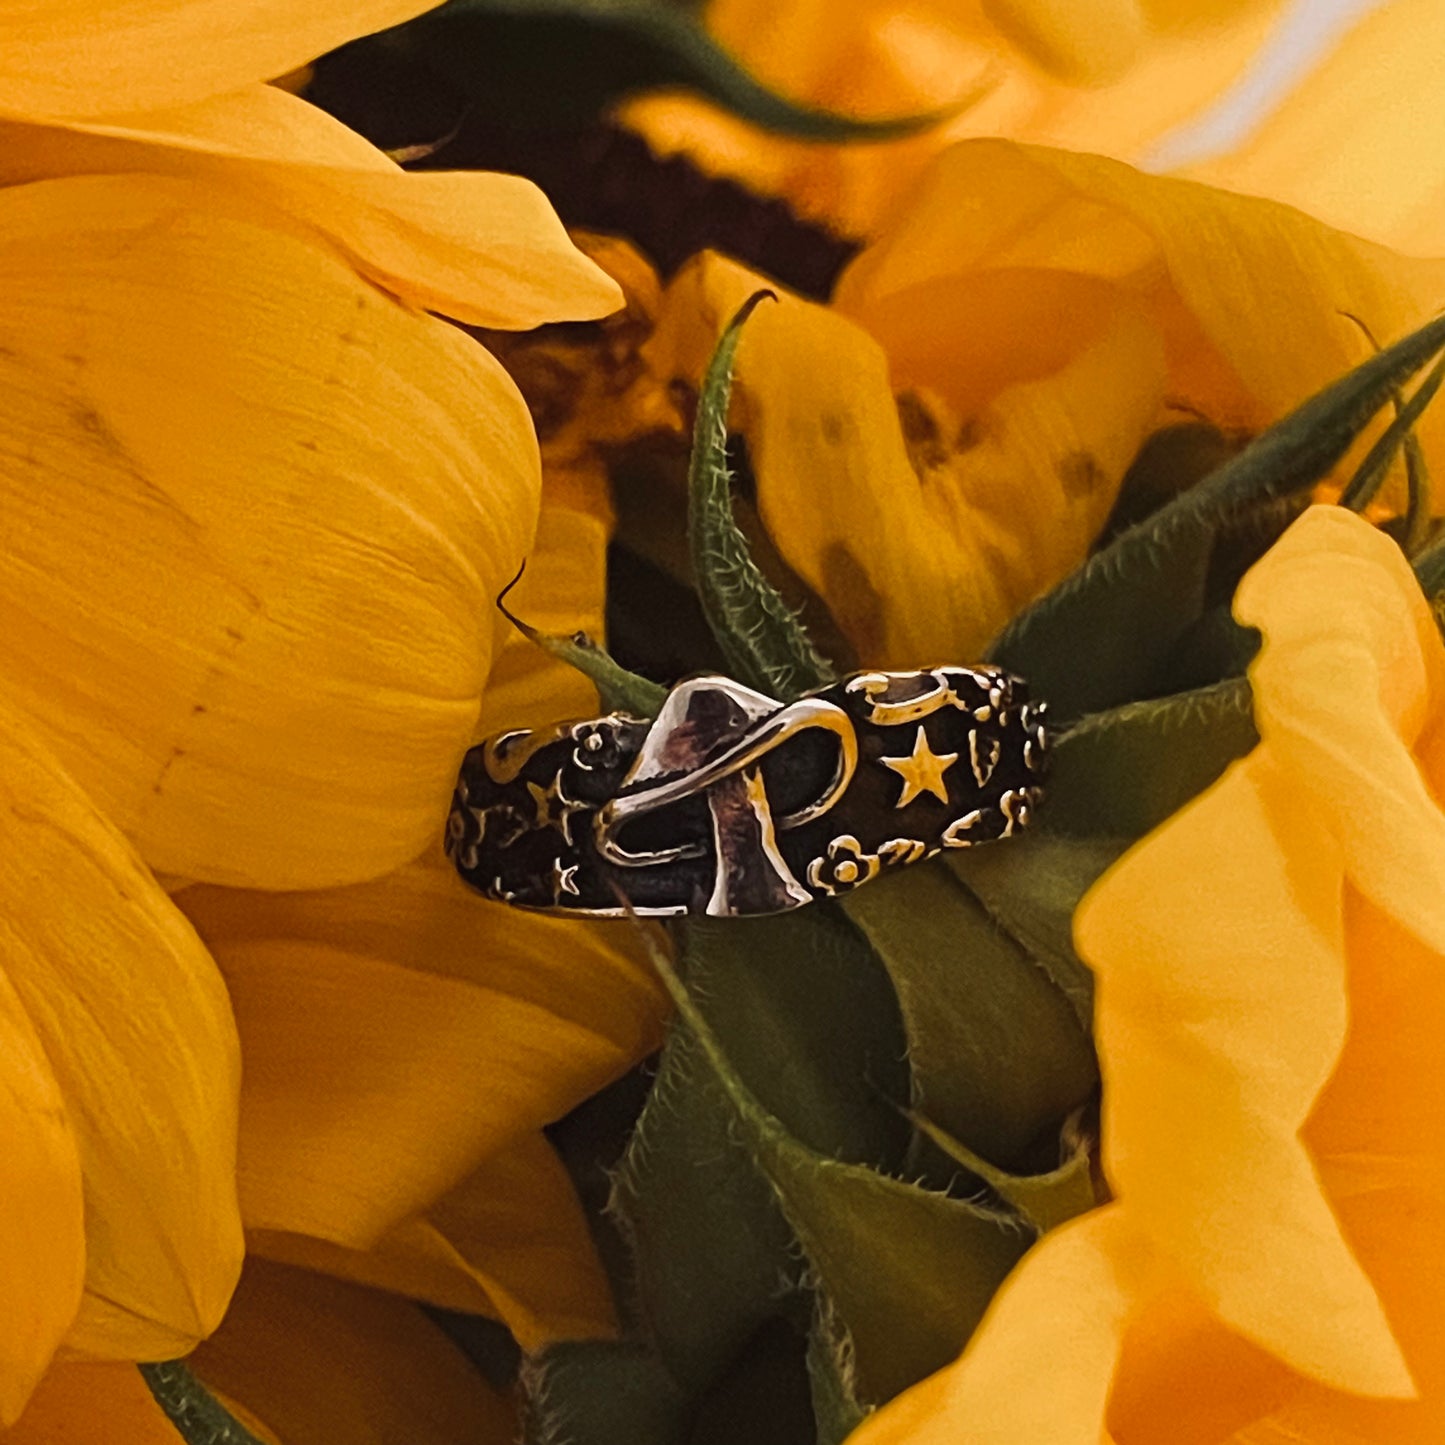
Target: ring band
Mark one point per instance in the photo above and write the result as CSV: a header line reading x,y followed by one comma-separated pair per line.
x,y
731,803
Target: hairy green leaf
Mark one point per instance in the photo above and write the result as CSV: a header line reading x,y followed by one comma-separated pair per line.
x,y
1119,773
1100,637
908,1272
599,1392
1030,889
1042,1201
619,689
808,1018
999,1056
763,641
836,1411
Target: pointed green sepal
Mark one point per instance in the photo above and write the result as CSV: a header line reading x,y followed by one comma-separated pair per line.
x,y
763,641
619,689
1042,1201
1400,434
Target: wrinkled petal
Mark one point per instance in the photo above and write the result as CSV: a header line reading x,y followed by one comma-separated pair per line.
x,y
247,619
397,1033
968,509
1183,1378
60,57
42,1231
83,1403
1350,672
318,1361
1220,1018
482,247
1252,298
137,1030
1066,1304
1358,142
510,1242
1374,1133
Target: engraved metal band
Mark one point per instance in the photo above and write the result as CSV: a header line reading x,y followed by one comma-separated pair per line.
x,y
730,802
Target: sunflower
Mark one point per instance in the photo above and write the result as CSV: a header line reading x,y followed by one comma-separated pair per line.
x,y
260,504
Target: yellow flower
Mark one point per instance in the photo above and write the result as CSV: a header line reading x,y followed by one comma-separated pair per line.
x,y
259,505
1270,1001
1110,77
946,440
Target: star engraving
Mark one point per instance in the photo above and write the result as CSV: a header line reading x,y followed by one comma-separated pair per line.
x,y
554,807
922,771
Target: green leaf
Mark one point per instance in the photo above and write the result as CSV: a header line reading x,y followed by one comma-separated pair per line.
x,y
1031,889
999,1056
764,643
836,1411
1119,773
1430,569
908,1272
541,63
1172,459
1371,472
1043,1201
600,1392
1418,515
808,1016
199,1418
1101,636
619,689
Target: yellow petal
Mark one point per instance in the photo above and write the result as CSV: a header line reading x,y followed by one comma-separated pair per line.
x,y
257,516
1063,1311
1087,44
60,58
42,1232
510,1242
321,1361
998,500
1374,1135
398,1033
1221,1014
1358,142
1183,1378
1251,298
485,248
137,1029
85,1403
1350,672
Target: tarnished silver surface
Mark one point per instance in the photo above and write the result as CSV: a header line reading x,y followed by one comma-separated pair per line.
x,y
732,803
